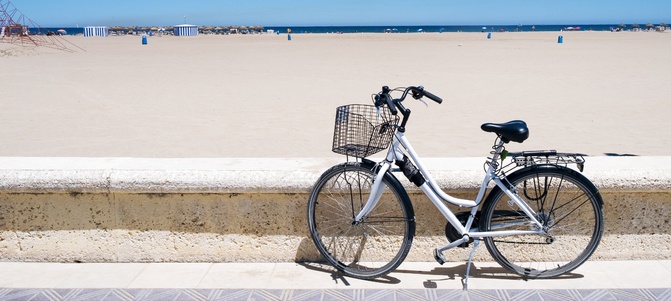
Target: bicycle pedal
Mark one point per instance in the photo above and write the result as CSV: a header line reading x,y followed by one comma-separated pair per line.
x,y
440,258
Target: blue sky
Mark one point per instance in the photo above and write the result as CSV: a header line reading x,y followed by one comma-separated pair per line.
x,y
69,13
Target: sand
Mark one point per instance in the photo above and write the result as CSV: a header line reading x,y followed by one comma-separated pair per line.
x,y
264,96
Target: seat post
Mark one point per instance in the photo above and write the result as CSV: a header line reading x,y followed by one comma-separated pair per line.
x,y
498,149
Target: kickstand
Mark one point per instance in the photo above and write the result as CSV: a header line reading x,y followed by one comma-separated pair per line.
x,y
476,243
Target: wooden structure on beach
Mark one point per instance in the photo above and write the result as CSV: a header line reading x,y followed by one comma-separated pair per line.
x,y
15,28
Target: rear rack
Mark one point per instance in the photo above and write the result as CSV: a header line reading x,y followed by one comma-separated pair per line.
x,y
529,158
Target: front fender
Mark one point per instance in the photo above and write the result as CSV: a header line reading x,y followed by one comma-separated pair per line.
x,y
393,182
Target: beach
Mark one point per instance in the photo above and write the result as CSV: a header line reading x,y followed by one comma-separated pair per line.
x,y
235,96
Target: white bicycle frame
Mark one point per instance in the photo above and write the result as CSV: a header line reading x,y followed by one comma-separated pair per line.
x,y
438,196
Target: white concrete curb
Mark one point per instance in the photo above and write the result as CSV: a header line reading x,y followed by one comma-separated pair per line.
x,y
273,175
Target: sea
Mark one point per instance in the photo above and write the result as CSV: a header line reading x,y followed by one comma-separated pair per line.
x,y
397,29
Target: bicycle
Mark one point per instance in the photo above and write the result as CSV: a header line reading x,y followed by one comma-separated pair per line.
x,y
541,219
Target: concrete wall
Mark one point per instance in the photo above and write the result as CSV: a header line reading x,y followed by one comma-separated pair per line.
x,y
254,210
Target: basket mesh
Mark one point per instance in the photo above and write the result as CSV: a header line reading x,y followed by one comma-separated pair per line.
x,y
360,132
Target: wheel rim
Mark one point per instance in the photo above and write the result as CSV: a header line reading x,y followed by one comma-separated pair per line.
x,y
570,215
375,245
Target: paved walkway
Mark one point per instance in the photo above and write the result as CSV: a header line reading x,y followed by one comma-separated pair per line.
x,y
595,280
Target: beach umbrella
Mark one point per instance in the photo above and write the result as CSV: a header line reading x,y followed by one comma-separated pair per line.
x,y
649,26
260,28
622,26
635,26
154,28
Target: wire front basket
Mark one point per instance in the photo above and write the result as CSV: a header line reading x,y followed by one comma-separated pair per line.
x,y
360,130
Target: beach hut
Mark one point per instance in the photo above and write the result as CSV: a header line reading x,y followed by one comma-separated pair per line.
x,y
185,30
96,31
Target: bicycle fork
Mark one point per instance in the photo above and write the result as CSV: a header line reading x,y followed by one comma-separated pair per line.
x,y
375,194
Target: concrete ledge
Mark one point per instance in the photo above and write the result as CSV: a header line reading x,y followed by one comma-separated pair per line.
x,y
138,175
271,175
253,210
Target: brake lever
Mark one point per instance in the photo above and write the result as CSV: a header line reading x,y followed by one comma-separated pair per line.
x,y
418,95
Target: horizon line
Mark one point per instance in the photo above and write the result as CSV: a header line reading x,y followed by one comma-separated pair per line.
x,y
387,25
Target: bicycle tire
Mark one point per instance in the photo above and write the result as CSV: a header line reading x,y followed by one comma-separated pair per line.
x,y
374,247
568,205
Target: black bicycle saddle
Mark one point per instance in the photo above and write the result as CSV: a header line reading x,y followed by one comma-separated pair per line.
x,y
515,130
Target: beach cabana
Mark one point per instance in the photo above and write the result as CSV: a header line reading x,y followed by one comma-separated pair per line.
x,y
185,30
96,31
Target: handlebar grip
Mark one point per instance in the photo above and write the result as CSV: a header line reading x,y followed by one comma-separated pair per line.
x,y
432,97
390,104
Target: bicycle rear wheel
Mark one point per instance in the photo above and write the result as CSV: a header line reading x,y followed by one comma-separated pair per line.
x,y
565,202
374,247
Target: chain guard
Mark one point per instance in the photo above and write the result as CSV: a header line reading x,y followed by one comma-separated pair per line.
x,y
451,232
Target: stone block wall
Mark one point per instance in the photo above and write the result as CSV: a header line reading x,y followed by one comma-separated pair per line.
x,y
244,212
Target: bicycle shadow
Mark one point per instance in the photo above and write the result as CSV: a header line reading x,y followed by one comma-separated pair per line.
x,y
458,272
437,275
339,276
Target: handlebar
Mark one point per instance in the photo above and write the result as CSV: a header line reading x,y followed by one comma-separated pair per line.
x,y
432,97
384,98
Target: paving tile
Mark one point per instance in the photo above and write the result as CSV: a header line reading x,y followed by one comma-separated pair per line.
x,y
171,275
238,275
295,276
40,275
638,274
666,264
103,275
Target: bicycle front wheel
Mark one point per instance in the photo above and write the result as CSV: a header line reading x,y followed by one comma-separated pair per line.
x,y
368,249
568,206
